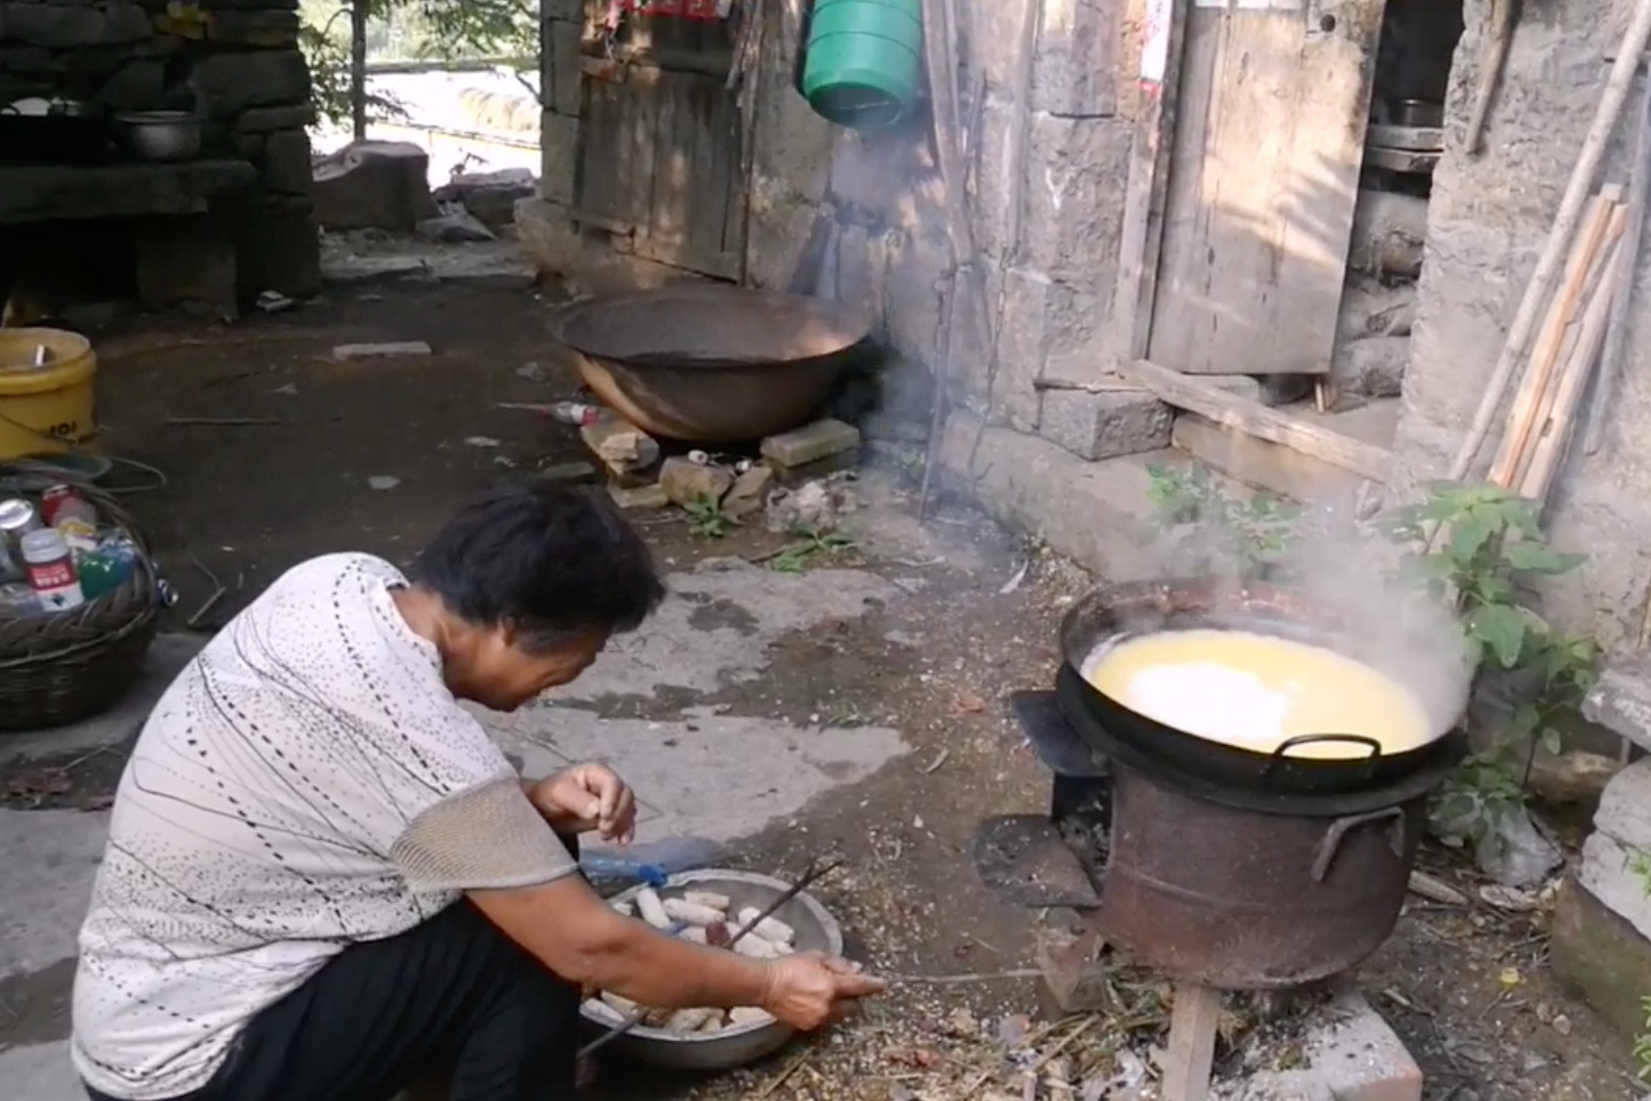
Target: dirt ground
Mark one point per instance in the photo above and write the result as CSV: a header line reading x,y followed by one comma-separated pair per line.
x,y
1465,987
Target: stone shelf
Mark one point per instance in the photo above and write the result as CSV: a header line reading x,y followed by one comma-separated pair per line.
x,y
38,193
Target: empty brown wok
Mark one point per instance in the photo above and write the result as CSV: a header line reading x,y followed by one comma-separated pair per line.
x,y
1119,612
712,363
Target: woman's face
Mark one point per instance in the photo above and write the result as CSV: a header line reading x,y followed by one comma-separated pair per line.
x,y
506,674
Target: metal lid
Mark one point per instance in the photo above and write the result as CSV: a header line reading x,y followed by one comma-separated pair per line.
x,y
17,515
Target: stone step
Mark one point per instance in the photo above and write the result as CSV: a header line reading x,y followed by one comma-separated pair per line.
x,y
1099,514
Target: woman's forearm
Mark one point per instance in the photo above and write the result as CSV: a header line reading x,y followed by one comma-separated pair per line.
x,y
652,969
581,938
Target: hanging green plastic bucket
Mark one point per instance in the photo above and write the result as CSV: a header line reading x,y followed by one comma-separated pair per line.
x,y
864,67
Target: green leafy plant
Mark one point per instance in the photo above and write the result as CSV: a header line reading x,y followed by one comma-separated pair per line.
x,y
707,519
1642,1045
1482,548
812,545
1258,530
324,38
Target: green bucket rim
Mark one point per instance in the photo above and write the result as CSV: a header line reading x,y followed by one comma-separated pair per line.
x,y
855,118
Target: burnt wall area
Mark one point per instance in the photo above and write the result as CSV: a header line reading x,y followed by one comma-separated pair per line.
x,y
85,211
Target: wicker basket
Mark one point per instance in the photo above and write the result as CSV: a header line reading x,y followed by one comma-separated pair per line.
x,y
58,669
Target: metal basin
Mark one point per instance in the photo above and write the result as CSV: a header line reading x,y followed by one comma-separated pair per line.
x,y
817,931
711,363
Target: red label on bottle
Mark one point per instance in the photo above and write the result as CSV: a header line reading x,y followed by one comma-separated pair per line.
x,y
46,576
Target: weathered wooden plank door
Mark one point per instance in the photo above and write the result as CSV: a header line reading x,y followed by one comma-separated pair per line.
x,y
1273,104
659,147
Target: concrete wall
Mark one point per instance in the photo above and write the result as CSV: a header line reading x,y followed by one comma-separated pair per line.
x,y
1050,283
1487,224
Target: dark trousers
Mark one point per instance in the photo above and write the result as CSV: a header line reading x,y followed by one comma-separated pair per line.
x,y
453,995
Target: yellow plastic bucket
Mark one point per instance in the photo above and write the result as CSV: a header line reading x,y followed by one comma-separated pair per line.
x,y
51,407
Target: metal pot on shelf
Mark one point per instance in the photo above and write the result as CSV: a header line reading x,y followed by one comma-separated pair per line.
x,y
161,136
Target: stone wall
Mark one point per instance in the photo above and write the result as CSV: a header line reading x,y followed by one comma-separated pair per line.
x,y
560,32
1050,266
1488,220
235,62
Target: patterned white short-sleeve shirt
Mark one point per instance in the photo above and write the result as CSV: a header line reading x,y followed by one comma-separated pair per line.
x,y
251,838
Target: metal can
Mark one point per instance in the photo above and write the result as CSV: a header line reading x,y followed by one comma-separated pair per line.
x,y
50,567
63,508
17,518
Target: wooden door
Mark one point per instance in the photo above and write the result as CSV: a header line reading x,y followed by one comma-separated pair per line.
x,y
660,145
1273,102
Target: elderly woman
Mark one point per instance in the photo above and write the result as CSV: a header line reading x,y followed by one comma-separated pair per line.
x,y
323,880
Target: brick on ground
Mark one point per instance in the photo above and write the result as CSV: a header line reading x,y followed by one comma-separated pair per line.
x,y
809,444
1599,955
345,352
1356,1053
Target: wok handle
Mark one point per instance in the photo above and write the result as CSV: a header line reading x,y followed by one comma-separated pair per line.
x,y
1338,830
1276,757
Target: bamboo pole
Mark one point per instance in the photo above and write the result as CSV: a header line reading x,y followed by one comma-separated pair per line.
x,y
1548,267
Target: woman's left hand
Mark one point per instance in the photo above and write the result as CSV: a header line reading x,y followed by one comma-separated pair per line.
x,y
585,798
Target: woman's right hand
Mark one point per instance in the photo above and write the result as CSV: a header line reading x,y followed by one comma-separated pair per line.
x,y
810,990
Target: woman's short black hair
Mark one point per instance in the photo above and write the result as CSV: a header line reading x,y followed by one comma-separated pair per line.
x,y
547,558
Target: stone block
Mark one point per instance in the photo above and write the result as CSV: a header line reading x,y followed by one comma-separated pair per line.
x,y
862,271
389,349
686,482
286,162
558,156
1621,700
69,26
547,236
565,96
373,185
280,248
620,445
232,82
914,286
1099,514
1625,806
749,493
490,196
1373,367
1077,171
810,443
1598,955
270,28
1023,346
455,227
188,263
1075,68
1105,425
570,11
639,497
1619,875
1245,386
1358,1055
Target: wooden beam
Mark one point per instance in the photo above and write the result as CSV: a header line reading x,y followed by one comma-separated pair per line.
x,y
1254,419
1142,234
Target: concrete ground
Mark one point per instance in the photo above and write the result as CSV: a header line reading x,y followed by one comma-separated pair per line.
x,y
851,709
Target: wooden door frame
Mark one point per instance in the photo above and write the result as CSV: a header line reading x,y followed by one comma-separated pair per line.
x,y
1163,49
628,65
1152,161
